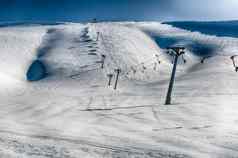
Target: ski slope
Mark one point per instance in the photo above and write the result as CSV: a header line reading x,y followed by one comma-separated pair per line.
x,y
71,112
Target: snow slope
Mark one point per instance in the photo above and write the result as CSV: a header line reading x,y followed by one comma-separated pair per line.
x,y
72,112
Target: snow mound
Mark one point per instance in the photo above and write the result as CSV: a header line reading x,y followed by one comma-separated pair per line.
x,y
67,50
18,49
131,50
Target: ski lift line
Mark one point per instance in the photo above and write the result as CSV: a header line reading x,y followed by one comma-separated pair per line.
x,y
140,64
225,61
103,43
149,60
78,73
151,66
125,74
219,55
143,63
112,59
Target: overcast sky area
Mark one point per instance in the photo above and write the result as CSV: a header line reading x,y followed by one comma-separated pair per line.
x,y
83,10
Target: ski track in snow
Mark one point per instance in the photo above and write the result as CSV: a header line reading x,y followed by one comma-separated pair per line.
x,y
73,113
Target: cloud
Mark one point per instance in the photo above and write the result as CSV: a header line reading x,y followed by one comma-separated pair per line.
x,y
206,9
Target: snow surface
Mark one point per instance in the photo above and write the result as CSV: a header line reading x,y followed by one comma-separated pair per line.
x,y
73,113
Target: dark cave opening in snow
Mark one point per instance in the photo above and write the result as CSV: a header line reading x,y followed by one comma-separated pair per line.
x,y
36,71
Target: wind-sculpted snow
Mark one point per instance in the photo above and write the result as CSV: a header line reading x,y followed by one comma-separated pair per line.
x,y
18,49
198,48
197,43
60,53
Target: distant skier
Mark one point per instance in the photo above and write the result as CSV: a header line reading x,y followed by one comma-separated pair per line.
x,y
110,79
157,58
155,66
133,70
143,68
103,60
98,34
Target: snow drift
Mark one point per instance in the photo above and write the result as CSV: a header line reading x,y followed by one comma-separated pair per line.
x,y
18,49
68,50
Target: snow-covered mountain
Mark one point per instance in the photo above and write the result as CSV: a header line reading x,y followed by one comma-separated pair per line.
x,y
55,100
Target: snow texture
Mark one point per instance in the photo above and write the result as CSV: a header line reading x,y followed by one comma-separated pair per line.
x,y
71,112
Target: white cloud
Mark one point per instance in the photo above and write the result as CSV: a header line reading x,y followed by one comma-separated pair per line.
x,y
207,9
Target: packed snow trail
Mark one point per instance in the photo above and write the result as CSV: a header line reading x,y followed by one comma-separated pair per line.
x,y
73,113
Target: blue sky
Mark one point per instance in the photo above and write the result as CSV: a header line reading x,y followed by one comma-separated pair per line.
x,y
83,10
